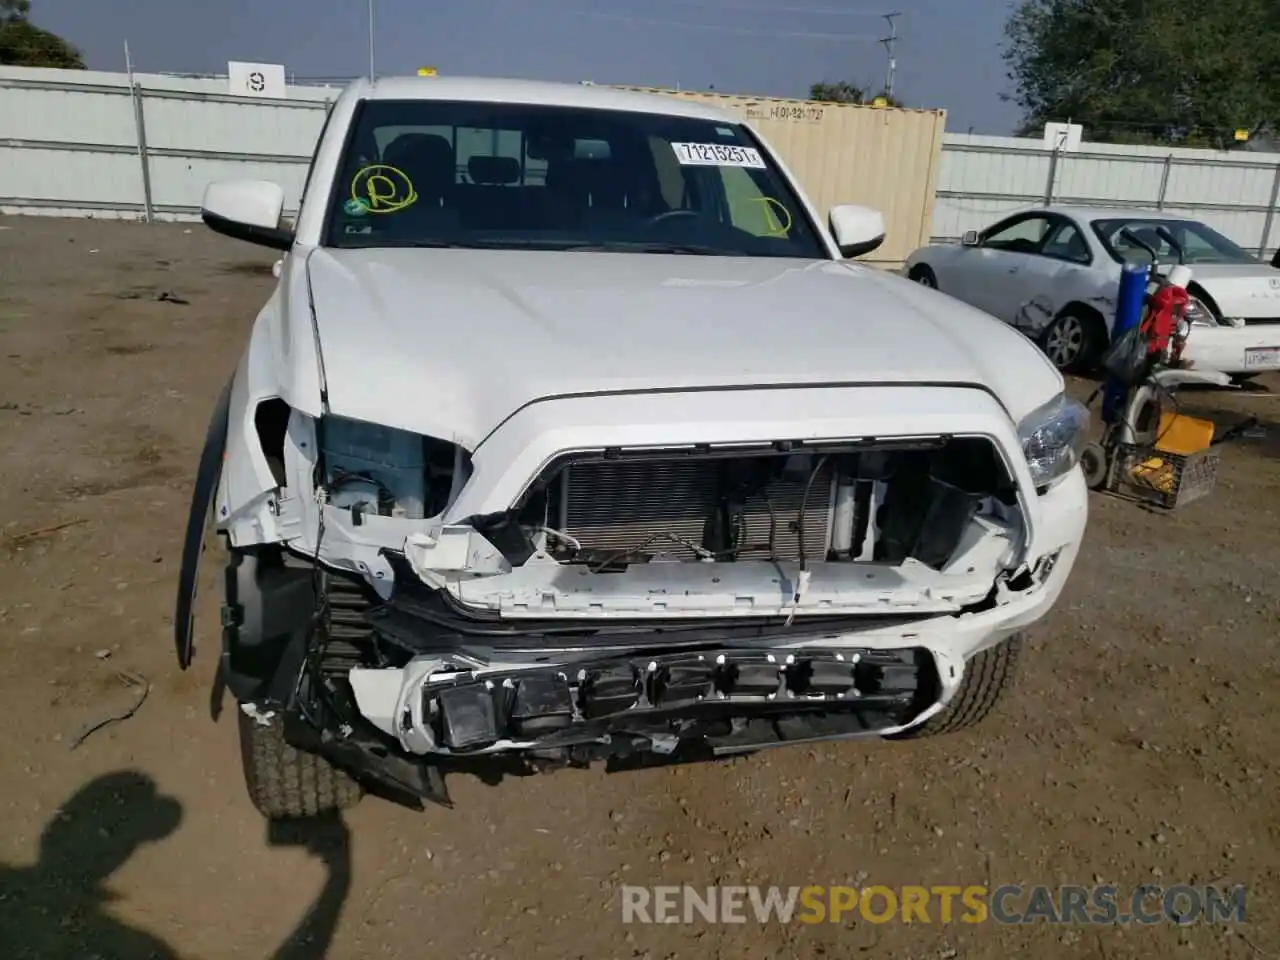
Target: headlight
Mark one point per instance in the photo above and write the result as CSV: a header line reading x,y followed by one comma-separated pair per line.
x,y
1052,437
1199,314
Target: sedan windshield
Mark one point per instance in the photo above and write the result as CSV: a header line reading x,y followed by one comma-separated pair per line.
x,y
1173,241
432,173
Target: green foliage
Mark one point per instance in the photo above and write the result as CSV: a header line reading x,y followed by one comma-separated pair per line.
x,y
840,92
1154,71
844,92
14,10
23,44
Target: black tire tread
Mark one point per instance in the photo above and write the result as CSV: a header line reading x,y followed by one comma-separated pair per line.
x,y
285,783
922,270
987,676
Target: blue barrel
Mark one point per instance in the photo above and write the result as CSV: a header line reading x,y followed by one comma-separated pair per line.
x,y
1129,305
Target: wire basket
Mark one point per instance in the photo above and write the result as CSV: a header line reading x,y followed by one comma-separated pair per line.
x,y
1168,480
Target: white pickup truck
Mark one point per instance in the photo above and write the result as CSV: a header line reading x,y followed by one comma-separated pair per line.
x,y
571,432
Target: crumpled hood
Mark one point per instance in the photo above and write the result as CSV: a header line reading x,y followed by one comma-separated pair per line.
x,y
452,342
1248,290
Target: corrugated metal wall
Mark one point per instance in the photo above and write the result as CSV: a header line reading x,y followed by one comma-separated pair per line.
x,y
72,141
846,153
983,178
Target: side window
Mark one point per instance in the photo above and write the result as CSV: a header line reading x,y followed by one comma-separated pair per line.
x,y
487,142
1022,236
1067,243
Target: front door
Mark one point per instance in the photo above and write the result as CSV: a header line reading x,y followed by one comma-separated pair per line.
x,y
998,273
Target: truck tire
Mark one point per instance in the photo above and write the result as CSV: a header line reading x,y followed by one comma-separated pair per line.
x,y
987,676
285,783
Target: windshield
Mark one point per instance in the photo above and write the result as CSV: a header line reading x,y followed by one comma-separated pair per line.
x,y
470,174
1188,241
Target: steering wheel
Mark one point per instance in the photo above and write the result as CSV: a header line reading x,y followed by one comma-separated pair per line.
x,y
671,215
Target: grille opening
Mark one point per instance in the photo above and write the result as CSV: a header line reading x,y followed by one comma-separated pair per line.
x,y
870,502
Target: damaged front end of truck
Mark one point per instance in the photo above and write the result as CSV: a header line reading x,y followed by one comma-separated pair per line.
x,y
409,606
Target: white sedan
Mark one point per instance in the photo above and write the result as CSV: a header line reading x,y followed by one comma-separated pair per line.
x,y
1054,272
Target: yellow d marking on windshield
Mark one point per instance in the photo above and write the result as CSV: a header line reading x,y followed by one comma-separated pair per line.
x,y
382,188
777,228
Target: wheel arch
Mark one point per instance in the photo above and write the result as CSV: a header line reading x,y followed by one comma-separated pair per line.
x,y
1088,312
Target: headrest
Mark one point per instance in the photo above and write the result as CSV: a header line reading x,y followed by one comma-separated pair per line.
x,y
418,149
494,171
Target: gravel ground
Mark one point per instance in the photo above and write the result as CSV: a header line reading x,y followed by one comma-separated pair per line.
x,y
1138,747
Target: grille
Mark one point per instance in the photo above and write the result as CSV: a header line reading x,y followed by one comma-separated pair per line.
x,y
617,507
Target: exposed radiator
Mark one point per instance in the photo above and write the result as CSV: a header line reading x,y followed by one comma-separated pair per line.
x,y
616,507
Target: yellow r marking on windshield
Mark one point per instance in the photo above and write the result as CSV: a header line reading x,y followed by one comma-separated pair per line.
x,y
386,189
777,228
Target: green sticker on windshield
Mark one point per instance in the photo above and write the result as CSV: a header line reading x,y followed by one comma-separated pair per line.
x,y
355,207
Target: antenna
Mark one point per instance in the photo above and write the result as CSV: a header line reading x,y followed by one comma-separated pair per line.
x,y
890,42
372,73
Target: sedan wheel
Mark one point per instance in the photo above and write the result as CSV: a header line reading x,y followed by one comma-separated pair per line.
x,y
925,277
1066,341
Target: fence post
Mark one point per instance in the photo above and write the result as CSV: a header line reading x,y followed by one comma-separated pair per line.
x,y
1164,181
1053,175
140,128
1271,214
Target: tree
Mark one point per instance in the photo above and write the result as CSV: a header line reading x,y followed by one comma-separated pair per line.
x,y
1165,71
840,92
844,92
23,44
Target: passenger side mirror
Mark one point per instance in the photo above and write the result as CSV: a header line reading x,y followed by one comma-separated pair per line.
x,y
857,230
970,238
248,210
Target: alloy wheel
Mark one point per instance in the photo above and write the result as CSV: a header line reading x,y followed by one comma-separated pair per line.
x,y
1065,341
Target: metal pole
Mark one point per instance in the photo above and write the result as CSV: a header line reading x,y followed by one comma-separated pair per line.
x,y
372,71
1053,176
1271,214
140,129
1164,181
890,42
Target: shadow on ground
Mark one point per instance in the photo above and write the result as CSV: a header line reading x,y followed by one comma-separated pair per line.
x,y
58,906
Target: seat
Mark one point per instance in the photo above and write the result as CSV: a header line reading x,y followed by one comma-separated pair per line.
x,y
427,160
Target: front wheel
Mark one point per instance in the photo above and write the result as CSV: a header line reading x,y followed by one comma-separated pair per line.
x,y
987,675
285,783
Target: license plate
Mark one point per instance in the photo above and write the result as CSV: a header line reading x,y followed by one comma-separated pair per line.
x,y
1262,357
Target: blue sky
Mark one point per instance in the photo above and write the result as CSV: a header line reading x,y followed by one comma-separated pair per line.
x,y
948,54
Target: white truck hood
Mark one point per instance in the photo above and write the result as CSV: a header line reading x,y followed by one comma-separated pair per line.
x,y
450,343
1247,290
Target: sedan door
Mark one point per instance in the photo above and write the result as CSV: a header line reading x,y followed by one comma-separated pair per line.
x,y
993,276
1062,271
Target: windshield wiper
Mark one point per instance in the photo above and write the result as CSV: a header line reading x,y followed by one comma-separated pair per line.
x,y
525,243
646,246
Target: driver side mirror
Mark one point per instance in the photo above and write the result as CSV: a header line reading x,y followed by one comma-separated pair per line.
x,y
857,230
248,210
970,238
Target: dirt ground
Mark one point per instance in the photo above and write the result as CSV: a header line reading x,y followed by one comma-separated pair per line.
x,y
1140,746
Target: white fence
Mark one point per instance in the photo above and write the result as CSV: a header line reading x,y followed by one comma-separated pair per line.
x,y
91,144
984,177
80,143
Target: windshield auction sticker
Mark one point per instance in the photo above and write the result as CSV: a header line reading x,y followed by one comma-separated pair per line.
x,y
717,155
381,188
